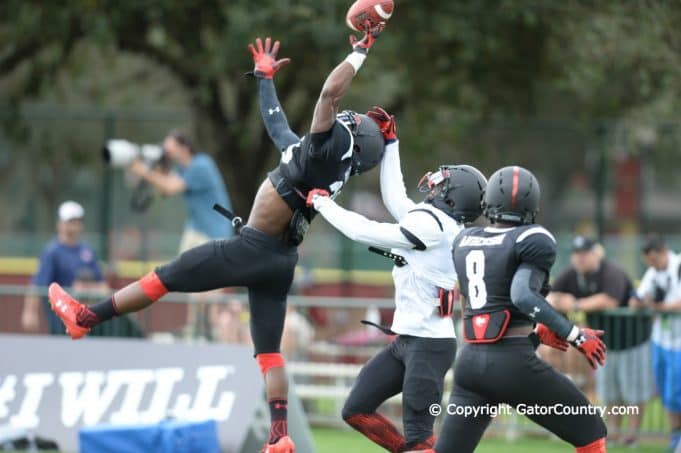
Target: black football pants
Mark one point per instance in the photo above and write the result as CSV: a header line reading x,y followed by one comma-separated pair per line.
x,y
262,263
413,366
510,372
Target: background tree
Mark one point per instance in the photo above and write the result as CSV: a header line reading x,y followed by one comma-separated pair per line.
x,y
487,82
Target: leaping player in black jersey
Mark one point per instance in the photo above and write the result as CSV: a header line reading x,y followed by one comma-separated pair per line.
x,y
503,271
263,256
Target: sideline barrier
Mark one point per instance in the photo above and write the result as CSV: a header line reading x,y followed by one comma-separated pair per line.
x,y
54,386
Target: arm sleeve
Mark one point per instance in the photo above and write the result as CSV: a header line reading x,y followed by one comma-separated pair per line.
x,y
360,229
274,117
393,191
45,274
525,288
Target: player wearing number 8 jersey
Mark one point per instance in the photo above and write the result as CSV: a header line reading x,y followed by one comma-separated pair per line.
x,y
503,272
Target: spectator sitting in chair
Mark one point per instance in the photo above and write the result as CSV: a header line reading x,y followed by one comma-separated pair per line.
x,y
593,284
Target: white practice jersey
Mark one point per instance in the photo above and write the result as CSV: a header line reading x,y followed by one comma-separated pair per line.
x,y
423,236
666,330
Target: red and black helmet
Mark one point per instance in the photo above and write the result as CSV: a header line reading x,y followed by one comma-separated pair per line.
x,y
457,190
512,196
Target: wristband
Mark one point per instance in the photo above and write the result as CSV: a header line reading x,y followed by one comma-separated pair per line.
x,y
574,333
356,59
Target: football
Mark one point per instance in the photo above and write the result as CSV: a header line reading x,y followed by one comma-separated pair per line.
x,y
373,11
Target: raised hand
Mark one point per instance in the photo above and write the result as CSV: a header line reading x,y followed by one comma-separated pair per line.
x,y
265,58
370,34
385,122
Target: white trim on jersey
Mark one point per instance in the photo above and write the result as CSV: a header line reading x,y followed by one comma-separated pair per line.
x,y
352,141
498,230
535,230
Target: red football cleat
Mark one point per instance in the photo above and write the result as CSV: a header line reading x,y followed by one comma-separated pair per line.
x,y
283,445
67,308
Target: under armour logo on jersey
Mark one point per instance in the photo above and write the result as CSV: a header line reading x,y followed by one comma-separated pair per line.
x,y
274,110
61,306
535,310
480,321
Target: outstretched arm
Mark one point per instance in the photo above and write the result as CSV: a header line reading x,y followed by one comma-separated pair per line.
x,y
338,82
273,116
393,191
360,229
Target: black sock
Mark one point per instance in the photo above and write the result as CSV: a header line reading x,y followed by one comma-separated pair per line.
x,y
278,415
103,311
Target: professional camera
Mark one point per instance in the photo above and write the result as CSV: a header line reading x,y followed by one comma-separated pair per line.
x,y
120,153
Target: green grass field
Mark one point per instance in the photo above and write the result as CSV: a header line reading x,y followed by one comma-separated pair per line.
x,y
344,441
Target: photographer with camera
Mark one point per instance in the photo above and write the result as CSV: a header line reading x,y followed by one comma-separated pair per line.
x,y
198,179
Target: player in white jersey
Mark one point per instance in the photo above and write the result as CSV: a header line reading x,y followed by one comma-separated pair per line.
x,y
416,362
660,290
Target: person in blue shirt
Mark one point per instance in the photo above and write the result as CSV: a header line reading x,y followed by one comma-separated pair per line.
x,y
199,180
62,260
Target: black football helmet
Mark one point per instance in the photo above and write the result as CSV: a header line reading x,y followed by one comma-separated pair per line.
x,y
512,196
457,190
369,142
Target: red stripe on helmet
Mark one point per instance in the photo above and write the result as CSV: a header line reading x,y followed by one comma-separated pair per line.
x,y
514,191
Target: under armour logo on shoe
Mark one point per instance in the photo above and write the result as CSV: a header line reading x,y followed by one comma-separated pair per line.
x,y
274,110
61,306
535,310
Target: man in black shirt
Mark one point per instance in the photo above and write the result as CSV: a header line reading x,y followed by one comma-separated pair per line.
x,y
592,284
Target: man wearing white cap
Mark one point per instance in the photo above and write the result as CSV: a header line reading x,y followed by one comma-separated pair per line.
x,y
61,261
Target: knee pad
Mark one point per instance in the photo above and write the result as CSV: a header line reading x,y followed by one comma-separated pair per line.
x,y
594,447
270,360
152,286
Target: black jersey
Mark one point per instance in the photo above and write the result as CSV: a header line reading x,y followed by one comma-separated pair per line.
x,y
319,161
486,259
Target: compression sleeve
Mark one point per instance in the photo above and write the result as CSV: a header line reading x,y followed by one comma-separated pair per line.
x,y
393,191
525,287
274,117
